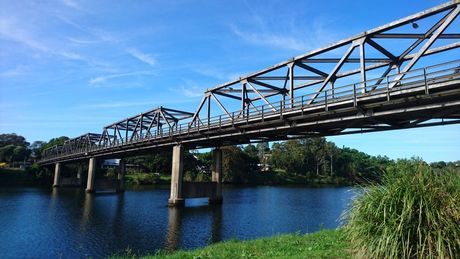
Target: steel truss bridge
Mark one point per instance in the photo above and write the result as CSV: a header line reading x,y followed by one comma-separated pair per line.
x,y
414,64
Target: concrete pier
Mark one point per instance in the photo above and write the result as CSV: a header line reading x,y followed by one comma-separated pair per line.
x,y
91,175
57,174
175,198
121,176
217,176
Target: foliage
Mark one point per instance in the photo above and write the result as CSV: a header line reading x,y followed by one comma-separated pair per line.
x,y
238,165
53,142
36,149
139,178
316,158
415,213
12,139
7,153
322,244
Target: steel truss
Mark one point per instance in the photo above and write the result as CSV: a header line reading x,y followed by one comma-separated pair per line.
x,y
324,92
145,125
282,82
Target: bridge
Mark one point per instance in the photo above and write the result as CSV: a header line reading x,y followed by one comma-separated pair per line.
x,y
415,82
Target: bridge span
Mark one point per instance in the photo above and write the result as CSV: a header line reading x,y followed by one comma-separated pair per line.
x,y
415,83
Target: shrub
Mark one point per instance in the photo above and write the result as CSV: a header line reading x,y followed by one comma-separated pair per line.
x,y
414,213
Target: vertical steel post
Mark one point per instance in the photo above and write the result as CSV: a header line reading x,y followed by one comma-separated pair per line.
x,y
355,102
362,62
388,88
426,82
325,100
291,84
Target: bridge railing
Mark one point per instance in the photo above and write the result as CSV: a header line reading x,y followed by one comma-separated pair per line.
x,y
352,93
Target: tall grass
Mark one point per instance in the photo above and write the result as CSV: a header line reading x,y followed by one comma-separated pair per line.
x,y
413,213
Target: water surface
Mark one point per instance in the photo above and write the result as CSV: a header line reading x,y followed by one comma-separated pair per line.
x,y
67,223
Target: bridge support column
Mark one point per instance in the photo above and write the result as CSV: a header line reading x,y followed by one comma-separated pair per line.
x,y
91,175
57,174
175,198
79,173
217,176
121,176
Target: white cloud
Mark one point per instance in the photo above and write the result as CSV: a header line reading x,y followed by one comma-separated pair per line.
x,y
13,31
216,73
144,57
124,104
189,89
17,71
290,37
102,79
271,39
82,41
71,4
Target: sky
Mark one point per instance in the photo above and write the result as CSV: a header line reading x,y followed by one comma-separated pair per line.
x,y
69,67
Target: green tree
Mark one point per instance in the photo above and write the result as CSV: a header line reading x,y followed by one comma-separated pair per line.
x,y
36,148
20,153
331,151
12,139
54,142
7,153
236,165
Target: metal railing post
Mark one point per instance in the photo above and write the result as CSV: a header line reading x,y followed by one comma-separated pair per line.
x,y
325,100
355,102
388,89
426,83
281,109
263,112
301,104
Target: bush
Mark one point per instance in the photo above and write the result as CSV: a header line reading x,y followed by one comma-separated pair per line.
x,y
415,213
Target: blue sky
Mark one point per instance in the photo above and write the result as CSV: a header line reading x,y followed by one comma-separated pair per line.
x,y
69,67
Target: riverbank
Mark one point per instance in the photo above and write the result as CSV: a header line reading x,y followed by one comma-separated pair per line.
x,y
321,244
20,177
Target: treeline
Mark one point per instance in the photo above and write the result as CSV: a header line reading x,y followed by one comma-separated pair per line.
x,y
308,161
15,150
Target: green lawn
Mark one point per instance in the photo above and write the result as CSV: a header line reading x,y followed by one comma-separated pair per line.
x,y
322,244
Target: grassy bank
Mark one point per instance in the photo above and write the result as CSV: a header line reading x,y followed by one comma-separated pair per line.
x,y
322,244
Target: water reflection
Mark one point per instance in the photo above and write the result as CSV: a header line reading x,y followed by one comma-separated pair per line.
x,y
176,217
68,222
87,210
216,231
174,228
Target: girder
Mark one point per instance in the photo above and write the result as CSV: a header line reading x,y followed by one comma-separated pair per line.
x,y
311,94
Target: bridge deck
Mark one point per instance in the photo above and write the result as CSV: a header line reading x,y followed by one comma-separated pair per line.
x,y
412,101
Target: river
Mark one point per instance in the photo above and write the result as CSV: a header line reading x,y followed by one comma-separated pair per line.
x,y
67,223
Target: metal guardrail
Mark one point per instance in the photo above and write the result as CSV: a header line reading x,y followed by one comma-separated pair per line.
x,y
414,79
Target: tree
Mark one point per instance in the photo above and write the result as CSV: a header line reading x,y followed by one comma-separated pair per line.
x,y
237,165
20,153
7,152
262,149
36,148
331,151
317,148
54,142
12,139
